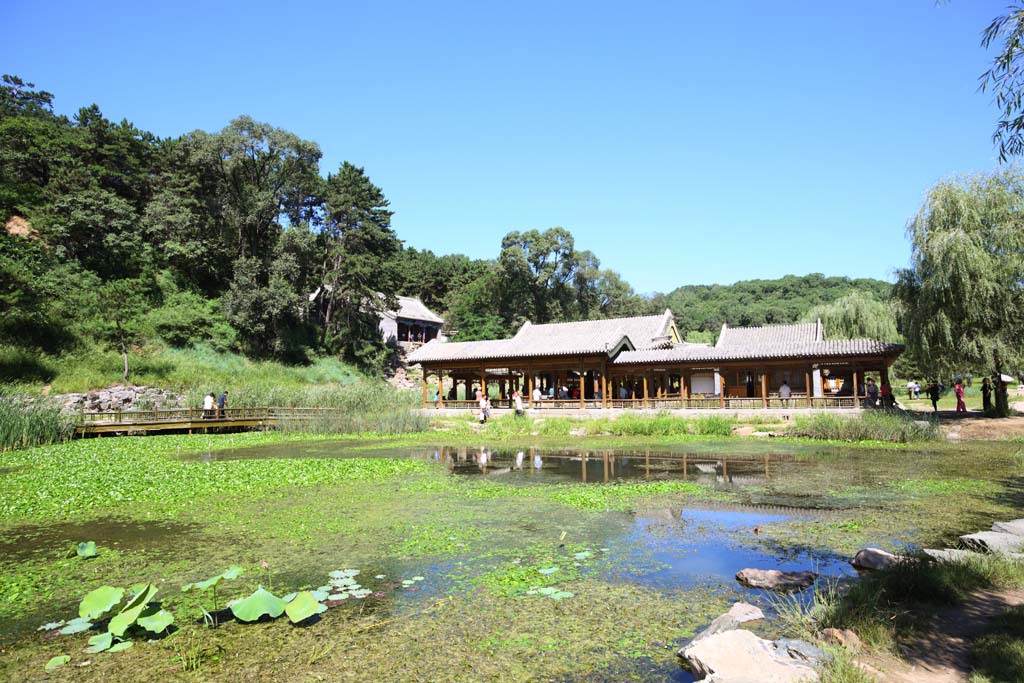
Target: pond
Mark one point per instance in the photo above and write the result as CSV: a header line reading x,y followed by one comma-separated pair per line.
x,y
644,540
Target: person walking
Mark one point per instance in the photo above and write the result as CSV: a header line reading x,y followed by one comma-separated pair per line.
x,y
872,392
517,401
888,401
537,396
933,394
222,402
986,395
958,389
208,403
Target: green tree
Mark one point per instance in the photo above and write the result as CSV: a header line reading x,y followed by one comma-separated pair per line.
x,y
963,294
1005,78
358,273
473,310
120,306
857,315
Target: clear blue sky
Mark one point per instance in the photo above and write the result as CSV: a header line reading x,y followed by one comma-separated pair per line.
x,y
682,142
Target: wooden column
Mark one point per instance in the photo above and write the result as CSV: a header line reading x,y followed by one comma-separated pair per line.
x,y
856,396
764,389
583,386
424,387
645,389
483,382
529,389
721,389
604,384
685,384
440,388
809,384
884,373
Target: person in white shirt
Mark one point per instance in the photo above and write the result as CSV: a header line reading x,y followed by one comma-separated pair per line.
x,y
208,402
536,396
785,392
517,400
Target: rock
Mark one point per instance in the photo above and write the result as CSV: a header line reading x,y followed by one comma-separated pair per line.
x,y
950,554
924,424
725,622
1015,527
800,651
873,558
739,655
744,612
844,638
773,579
761,435
993,542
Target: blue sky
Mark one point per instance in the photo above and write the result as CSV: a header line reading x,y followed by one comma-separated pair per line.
x,y
682,142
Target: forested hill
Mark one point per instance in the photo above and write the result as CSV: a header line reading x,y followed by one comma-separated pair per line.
x,y
757,302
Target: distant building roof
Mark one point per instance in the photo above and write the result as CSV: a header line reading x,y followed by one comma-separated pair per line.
x,y
412,308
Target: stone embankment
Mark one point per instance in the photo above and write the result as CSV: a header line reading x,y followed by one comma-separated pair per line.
x,y
1005,538
120,397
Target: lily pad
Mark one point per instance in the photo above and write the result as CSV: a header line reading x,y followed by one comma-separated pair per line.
x,y
132,611
98,602
100,642
548,570
326,589
303,607
86,549
58,661
320,595
52,625
561,595
157,621
547,590
289,597
583,555
228,574
338,596
76,626
121,646
360,593
417,578
261,602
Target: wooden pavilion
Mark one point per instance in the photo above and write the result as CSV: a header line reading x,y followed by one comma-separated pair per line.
x,y
642,362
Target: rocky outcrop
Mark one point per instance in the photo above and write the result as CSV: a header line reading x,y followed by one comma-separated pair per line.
x,y
950,554
993,542
1014,526
873,558
739,655
121,398
743,612
773,579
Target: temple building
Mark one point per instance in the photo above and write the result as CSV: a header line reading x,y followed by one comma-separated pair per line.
x,y
642,362
412,324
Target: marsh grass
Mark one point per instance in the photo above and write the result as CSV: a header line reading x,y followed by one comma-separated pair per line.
x,y
998,655
627,425
360,408
31,421
869,426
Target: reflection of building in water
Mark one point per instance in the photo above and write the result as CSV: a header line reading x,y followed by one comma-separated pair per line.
x,y
537,462
519,460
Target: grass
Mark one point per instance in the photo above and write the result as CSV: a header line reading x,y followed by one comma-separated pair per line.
x,y
998,655
364,407
30,421
868,426
508,426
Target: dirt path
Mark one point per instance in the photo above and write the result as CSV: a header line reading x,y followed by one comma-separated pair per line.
x,y
943,655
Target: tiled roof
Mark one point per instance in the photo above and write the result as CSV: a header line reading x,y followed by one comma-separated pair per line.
x,y
770,336
557,339
414,309
833,348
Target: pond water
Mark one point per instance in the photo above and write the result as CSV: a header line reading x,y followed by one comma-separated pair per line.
x,y
491,522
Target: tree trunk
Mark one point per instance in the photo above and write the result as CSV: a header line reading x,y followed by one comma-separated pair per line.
x,y
1002,404
124,356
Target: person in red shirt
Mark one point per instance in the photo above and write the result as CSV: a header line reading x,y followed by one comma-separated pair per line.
x,y
958,389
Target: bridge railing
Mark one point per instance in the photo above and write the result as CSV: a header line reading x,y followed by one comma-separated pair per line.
x,y
196,414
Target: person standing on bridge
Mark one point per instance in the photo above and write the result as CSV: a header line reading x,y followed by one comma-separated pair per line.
x,y
208,402
222,402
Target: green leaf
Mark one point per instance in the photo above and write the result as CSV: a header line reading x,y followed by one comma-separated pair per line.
x,y
232,573
561,595
303,607
126,617
76,626
58,661
121,646
256,605
548,570
86,549
100,601
156,621
100,642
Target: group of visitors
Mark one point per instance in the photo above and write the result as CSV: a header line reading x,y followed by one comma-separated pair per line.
x,y
213,405
878,396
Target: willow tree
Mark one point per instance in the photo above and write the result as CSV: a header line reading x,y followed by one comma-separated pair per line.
x,y
963,295
858,315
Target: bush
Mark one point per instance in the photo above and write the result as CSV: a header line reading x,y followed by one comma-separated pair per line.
x,y
27,421
868,426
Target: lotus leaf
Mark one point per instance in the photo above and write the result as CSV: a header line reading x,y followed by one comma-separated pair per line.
x,y
52,625
86,549
343,581
326,589
547,590
303,607
361,593
76,626
156,620
100,601
100,642
289,597
548,570
227,575
121,646
407,582
59,660
338,596
560,595
343,573
320,595
256,605
380,576
132,611
417,578
532,591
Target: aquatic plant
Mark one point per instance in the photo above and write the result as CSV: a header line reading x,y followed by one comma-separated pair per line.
x,y
27,421
872,425
303,606
260,603
86,549
211,583
57,661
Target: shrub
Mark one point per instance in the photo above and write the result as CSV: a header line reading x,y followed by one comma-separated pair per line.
x,y
868,426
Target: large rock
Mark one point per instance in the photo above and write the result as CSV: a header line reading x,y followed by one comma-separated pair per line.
x,y
993,542
773,579
734,656
950,554
744,612
800,651
873,558
721,624
1015,527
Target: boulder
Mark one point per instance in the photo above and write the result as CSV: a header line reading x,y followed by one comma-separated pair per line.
x,y
843,638
949,554
738,655
744,612
800,651
1015,527
773,579
721,624
993,542
873,558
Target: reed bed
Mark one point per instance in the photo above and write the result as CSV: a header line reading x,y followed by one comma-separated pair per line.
x,y
869,426
27,421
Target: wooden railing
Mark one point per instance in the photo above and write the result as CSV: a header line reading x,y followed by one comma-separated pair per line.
x,y
795,401
268,413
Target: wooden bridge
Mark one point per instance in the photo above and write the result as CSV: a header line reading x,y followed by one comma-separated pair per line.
x,y
195,419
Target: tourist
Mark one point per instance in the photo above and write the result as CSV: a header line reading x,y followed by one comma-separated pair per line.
x,y
986,395
958,389
485,407
872,393
208,403
222,402
551,391
453,393
933,394
623,392
537,396
888,401
517,401
437,398
785,392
